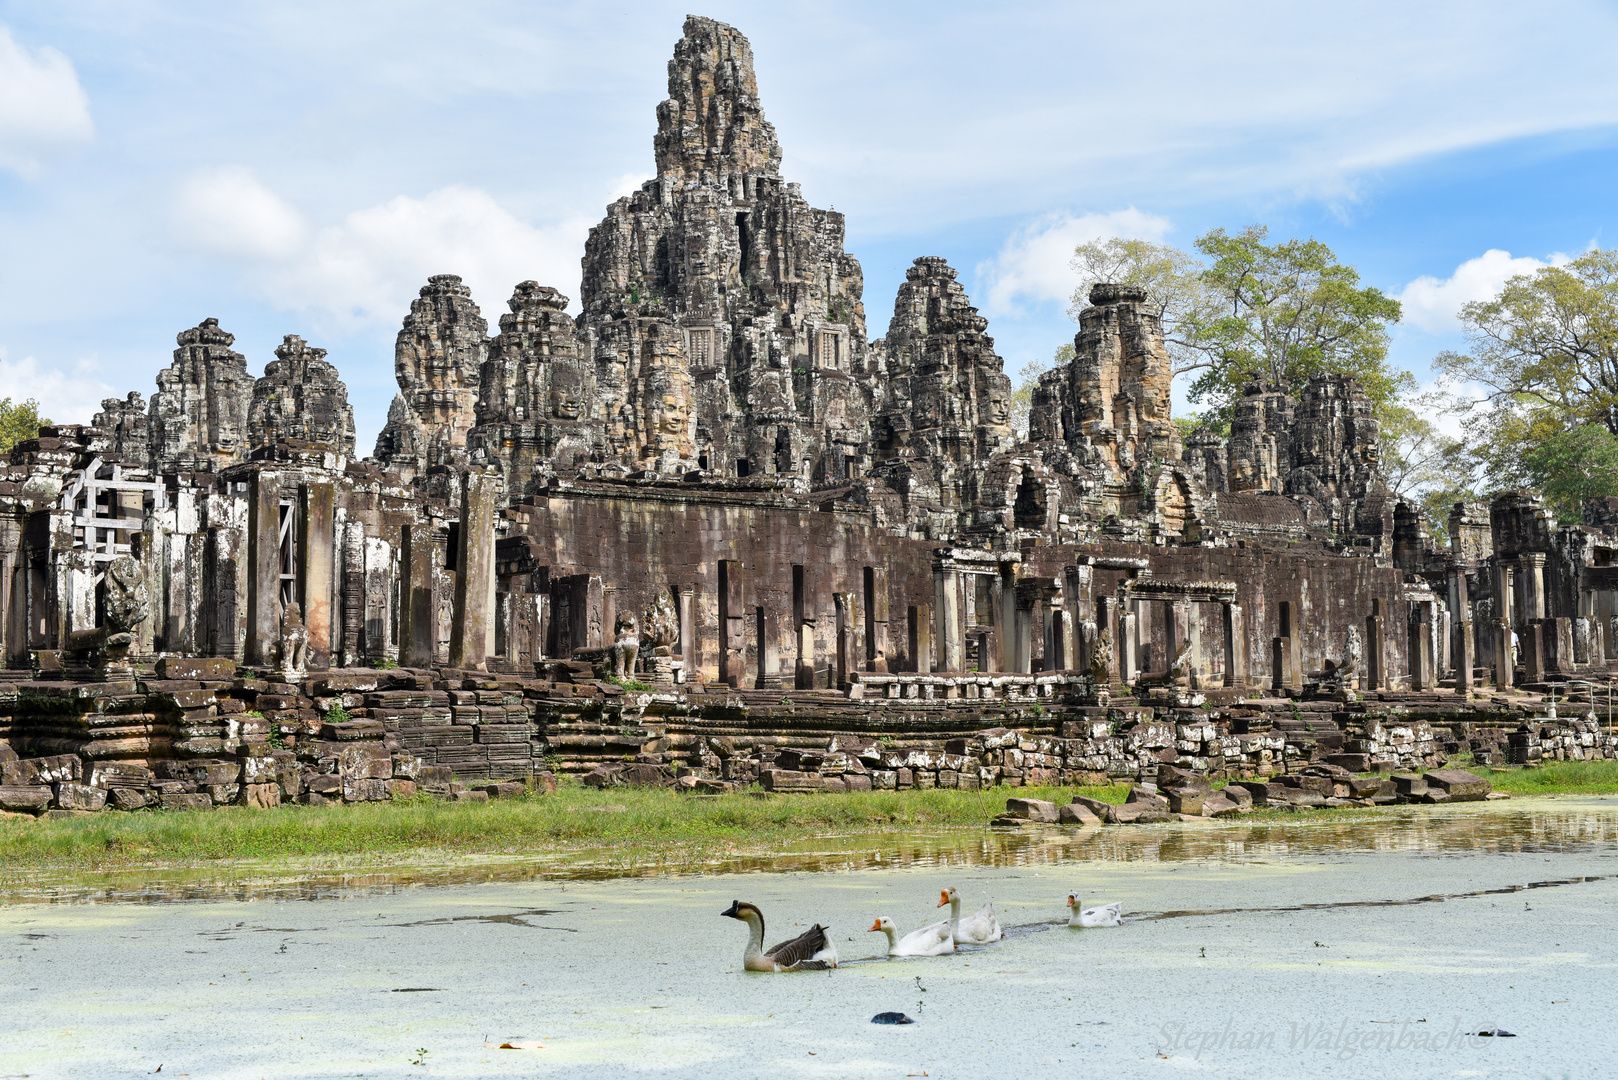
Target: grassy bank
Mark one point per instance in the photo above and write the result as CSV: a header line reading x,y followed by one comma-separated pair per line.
x,y
1556,778
573,818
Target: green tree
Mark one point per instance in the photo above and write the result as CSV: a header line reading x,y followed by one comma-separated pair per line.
x,y
1287,312
19,422
1544,353
1248,310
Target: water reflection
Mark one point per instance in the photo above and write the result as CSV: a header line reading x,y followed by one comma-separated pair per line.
x,y
1538,826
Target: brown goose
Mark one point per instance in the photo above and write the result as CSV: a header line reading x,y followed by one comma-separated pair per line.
x,y
811,950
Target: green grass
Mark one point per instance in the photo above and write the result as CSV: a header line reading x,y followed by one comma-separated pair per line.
x,y
571,819
1556,778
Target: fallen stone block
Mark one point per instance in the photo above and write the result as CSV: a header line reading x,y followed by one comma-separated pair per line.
x,y
1236,794
1458,784
28,799
179,800
1219,806
1185,801
1076,813
603,776
75,796
201,668
1409,784
1102,810
1032,810
1008,821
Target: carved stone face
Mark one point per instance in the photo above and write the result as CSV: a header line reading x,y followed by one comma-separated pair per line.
x,y
999,411
566,394
668,412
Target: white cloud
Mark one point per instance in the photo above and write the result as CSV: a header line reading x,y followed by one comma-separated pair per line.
x,y
1432,305
1033,265
365,270
64,396
628,184
226,211
43,109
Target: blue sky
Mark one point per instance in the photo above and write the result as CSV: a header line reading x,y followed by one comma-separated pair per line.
x,y
303,167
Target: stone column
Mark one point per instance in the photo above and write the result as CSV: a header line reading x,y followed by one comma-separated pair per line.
x,y
1179,636
1026,594
264,568
1005,593
1533,564
844,602
688,633
947,617
1460,630
732,611
471,639
921,638
769,650
1126,630
1532,639
876,618
316,569
1235,646
1421,648
418,630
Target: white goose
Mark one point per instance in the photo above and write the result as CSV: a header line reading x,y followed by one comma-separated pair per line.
x,y
980,928
1105,915
934,940
811,950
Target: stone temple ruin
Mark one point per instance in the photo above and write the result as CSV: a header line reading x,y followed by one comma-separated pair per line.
x,y
813,559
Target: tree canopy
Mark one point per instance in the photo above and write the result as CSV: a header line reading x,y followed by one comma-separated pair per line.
x,y
1249,310
1544,353
19,422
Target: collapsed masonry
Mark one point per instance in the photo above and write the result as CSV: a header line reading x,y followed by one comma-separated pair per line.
x,y
712,478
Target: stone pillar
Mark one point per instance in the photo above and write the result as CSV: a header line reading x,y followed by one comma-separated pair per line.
x,y
471,639
1005,593
876,618
947,618
1376,660
1533,564
732,612
921,638
353,591
988,650
1126,630
846,654
1421,648
418,607
769,650
264,568
1139,645
688,633
1026,593
316,569
1235,646
1179,637
1292,629
1532,640
1460,630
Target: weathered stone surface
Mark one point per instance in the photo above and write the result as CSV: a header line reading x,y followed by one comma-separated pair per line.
x,y
301,398
199,413
1077,814
438,359
1458,784
1032,810
31,798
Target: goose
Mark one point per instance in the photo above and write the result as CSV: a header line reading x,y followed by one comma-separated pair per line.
x,y
1105,915
934,940
811,950
977,929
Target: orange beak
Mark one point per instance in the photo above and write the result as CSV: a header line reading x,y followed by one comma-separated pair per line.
x,y
943,898
875,926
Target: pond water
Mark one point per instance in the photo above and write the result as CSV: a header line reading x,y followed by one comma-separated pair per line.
x,y
1368,946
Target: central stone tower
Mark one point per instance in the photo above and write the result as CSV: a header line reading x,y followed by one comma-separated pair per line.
x,y
721,314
